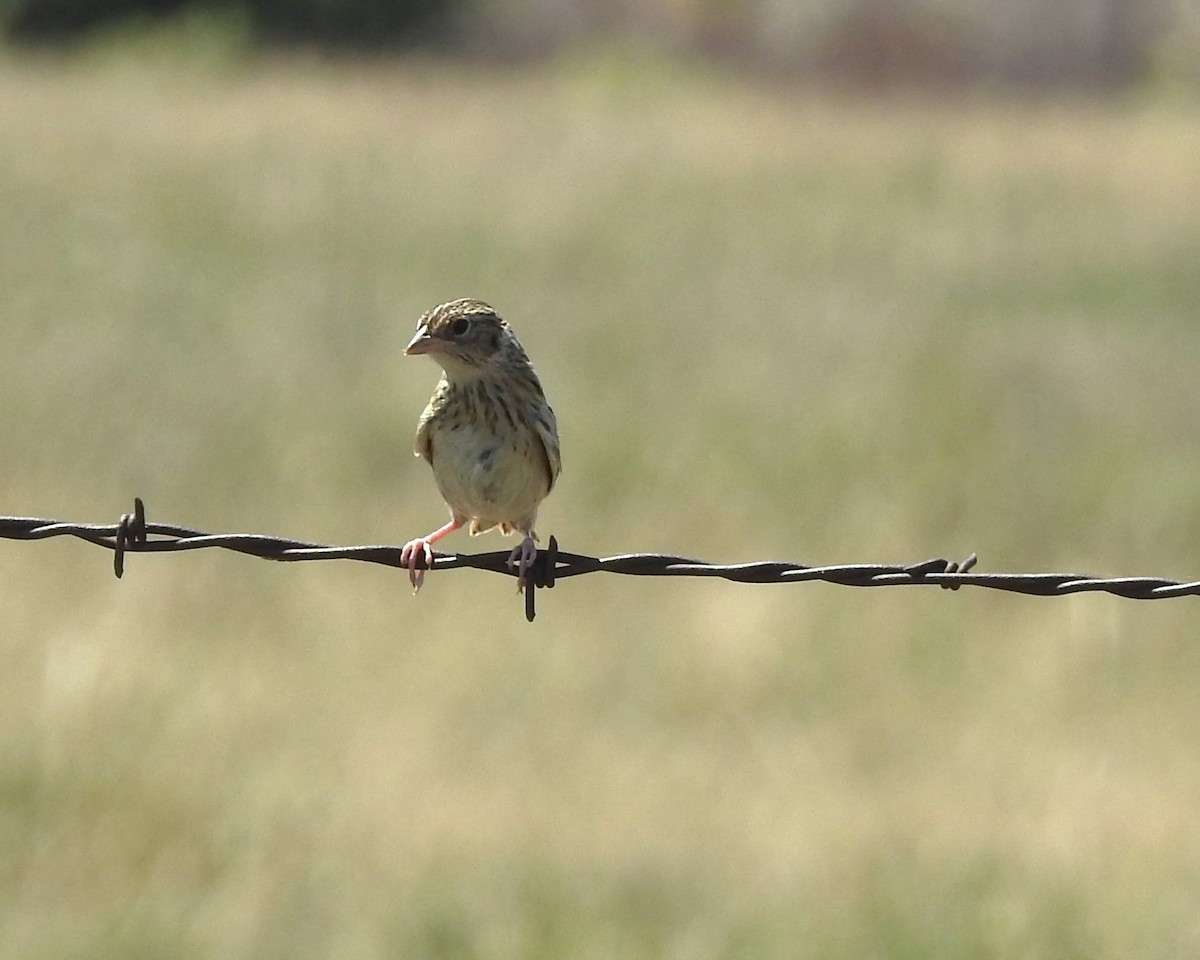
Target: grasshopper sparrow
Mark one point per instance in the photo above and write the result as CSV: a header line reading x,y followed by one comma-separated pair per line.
x,y
488,432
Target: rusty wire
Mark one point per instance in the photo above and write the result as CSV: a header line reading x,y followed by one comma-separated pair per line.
x,y
133,534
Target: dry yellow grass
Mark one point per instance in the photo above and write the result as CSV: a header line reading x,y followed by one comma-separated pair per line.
x,y
773,325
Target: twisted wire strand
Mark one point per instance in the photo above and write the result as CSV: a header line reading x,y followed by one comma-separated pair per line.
x,y
134,534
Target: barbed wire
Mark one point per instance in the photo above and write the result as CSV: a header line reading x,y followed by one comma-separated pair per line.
x,y
133,534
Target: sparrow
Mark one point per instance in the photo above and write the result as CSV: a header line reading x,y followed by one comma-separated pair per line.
x,y
487,432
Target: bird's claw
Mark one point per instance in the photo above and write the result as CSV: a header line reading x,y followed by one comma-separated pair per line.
x,y
522,557
408,558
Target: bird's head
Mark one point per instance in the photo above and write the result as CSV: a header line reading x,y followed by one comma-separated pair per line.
x,y
466,337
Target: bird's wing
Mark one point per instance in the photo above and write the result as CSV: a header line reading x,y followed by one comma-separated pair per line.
x,y
547,432
422,446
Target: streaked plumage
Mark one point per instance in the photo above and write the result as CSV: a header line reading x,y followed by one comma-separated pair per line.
x,y
488,432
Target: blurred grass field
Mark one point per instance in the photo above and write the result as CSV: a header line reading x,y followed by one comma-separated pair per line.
x,y
774,325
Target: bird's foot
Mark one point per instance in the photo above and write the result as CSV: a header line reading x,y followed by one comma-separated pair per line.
x,y
522,557
423,547
408,558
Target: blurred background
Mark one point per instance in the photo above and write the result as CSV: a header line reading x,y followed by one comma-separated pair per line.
x,y
829,283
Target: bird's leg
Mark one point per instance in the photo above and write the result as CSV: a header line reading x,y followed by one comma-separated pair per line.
x,y
522,557
408,553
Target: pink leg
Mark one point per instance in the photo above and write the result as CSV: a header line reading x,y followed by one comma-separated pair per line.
x,y
522,557
408,553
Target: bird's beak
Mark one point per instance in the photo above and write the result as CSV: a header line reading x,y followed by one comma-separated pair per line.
x,y
422,342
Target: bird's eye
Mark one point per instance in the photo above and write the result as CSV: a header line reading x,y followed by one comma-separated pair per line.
x,y
460,326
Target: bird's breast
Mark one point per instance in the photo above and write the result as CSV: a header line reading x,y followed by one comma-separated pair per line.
x,y
494,475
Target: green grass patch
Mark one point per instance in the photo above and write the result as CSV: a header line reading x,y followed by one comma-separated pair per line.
x,y
774,324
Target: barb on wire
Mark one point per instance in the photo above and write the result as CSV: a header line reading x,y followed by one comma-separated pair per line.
x,y
134,534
